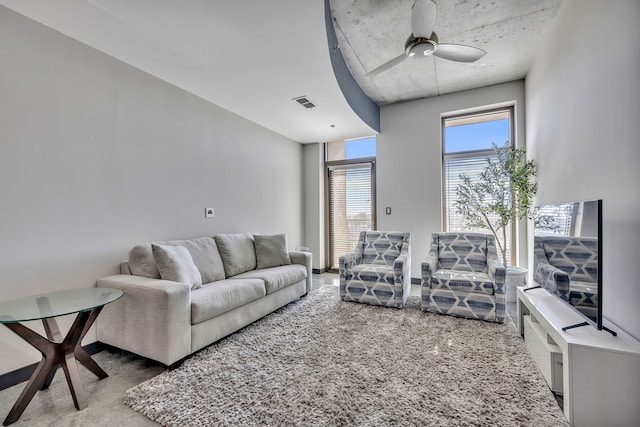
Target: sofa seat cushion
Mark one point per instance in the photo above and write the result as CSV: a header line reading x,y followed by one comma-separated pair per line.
x,y
462,281
217,298
371,273
276,278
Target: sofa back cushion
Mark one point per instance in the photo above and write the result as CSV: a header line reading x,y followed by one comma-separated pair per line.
x,y
203,250
462,251
382,247
576,256
237,251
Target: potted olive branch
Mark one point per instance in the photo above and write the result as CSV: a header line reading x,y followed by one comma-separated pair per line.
x,y
504,191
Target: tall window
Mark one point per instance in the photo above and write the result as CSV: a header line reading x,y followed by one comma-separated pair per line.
x,y
351,191
467,145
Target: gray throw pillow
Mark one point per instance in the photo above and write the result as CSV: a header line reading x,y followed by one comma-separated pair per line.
x,y
237,252
176,264
271,251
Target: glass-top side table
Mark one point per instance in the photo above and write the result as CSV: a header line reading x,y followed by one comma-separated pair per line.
x,y
56,350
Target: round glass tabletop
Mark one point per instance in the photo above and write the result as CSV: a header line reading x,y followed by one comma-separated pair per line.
x,y
54,304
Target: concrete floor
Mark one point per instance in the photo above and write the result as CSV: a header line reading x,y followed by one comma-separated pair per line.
x,y
54,406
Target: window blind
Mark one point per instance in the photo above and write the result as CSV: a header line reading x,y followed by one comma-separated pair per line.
x,y
471,166
350,207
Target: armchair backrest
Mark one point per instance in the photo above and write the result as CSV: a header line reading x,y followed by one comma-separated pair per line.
x,y
382,247
576,256
464,251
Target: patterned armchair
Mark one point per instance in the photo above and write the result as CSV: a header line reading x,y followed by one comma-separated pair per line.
x,y
568,267
378,270
463,276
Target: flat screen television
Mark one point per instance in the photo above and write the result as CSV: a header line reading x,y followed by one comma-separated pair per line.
x,y
568,256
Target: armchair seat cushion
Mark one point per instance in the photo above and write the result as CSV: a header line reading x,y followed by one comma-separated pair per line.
x,y
371,273
463,281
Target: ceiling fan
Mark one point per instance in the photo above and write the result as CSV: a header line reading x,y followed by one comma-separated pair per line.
x,y
424,42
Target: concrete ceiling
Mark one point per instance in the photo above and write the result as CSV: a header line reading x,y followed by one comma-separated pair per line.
x,y
371,32
253,56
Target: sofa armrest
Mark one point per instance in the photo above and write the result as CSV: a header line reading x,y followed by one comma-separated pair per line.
x,y
346,263
306,259
428,267
402,277
430,264
152,319
348,260
497,273
402,268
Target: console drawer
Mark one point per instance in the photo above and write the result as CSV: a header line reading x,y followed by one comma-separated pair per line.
x,y
545,353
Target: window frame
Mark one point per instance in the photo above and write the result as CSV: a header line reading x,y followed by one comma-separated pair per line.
x,y
328,165
510,109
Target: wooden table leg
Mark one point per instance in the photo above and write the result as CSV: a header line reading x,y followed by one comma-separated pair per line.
x,y
53,333
56,354
81,355
68,361
39,376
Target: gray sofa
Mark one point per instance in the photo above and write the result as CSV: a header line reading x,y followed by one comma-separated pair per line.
x,y
183,295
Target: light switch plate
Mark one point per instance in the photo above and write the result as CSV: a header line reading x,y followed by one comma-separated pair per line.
x,y
208,212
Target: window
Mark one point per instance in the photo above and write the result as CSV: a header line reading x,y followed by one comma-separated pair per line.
x,y
467,145
352,149
555,220
351,194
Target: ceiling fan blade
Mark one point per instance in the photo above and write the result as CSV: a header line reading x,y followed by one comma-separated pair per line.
x,y
389,64
459,52
423,18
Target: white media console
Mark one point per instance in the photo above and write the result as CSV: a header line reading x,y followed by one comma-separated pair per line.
x,y
597,373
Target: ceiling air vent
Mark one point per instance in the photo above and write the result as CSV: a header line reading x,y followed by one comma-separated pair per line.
x,y
304,101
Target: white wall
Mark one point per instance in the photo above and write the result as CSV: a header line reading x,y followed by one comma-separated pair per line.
x,y
583,128
409,160
96,156
314,203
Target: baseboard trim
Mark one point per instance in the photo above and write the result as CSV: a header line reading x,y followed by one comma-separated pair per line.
x,y
319,270
23,374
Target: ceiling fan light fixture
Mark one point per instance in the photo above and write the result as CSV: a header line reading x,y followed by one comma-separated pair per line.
x,y
420,47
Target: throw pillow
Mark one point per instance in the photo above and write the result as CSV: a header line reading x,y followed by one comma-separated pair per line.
x,y
176,264
237,252
271,251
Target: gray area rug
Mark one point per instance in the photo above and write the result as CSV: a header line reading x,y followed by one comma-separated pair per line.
x,y
321,361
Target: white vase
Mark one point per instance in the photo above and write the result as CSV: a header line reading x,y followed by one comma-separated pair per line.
x,y
516,276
